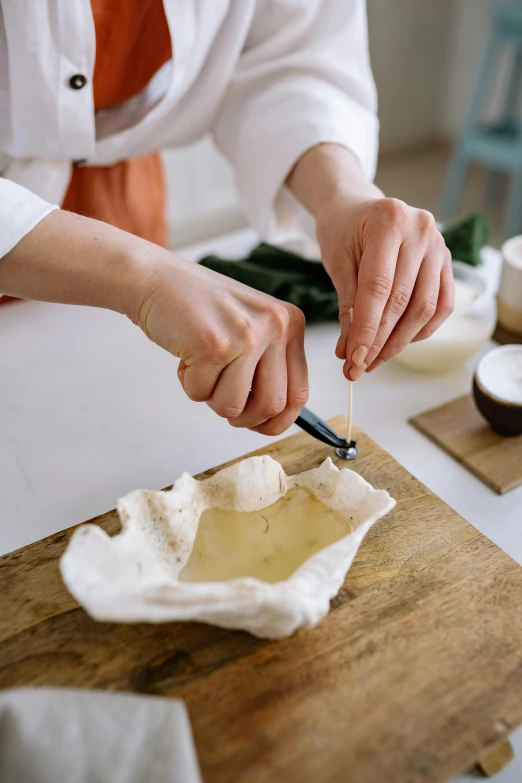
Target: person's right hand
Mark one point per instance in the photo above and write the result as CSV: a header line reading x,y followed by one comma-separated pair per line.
x,y
241,351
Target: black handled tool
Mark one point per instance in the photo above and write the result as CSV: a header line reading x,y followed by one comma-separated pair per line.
x,y
317,428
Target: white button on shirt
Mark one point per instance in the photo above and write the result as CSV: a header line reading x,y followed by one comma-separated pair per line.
x,y
268,78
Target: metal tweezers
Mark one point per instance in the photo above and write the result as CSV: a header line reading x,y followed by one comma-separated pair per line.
x,y
319,429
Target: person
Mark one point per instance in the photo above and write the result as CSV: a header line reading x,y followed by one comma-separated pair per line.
x,y
90,90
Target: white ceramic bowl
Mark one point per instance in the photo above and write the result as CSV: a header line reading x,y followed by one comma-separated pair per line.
x,y
464,333
497,389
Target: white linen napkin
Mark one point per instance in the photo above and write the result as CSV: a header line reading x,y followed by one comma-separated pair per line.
x,y
59,735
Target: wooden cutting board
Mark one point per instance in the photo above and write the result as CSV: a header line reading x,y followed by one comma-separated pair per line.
x,y
416,671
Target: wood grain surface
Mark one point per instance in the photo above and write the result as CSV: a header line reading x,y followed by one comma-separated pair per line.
x,y
413,675
459,429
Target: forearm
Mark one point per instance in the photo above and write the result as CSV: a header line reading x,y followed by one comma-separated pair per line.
x,y
75,260
327,174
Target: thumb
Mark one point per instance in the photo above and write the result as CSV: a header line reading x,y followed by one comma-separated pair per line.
x,y
346,290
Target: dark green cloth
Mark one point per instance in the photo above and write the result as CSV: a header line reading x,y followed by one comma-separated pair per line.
x,y
285,276
466,238
306,284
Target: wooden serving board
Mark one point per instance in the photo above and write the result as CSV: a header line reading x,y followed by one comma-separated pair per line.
x,y
459,429
505,336
414,674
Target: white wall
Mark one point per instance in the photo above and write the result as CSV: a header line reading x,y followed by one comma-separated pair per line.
x,y
469,30
202,197
409,48
425,58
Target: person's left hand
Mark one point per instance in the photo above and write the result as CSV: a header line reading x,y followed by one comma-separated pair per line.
x,y
389,262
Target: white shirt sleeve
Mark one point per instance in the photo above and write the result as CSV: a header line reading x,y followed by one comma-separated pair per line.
x,y
303,78
20,211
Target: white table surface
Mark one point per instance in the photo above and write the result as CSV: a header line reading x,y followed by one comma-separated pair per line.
x,y
90,410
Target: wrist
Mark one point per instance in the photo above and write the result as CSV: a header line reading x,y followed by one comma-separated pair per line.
x,y
329,175
152,271
342,207
145,274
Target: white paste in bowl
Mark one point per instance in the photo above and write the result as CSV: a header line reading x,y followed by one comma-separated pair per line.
x,y
500,374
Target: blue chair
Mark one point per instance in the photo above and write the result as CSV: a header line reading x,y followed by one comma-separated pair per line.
x,y
498,145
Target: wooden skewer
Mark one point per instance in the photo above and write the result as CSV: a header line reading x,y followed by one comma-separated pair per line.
x,y
350,400
350,412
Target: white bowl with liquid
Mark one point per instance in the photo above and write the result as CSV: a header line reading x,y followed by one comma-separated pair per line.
x,y
463,334
510,290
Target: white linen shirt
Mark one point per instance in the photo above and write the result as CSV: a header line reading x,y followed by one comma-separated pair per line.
x,y
268,78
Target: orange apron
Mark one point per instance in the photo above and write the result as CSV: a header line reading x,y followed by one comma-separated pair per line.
x,y
132,43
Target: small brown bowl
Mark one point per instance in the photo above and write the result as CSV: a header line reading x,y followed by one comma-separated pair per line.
x,y
497,389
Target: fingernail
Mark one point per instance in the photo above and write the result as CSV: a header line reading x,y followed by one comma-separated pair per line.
x,y
377,363
359,355
356,372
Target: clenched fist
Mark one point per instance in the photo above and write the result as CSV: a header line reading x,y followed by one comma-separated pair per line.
x,y
241,351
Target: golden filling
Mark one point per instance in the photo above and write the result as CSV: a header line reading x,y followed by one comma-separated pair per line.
x,y
269,544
